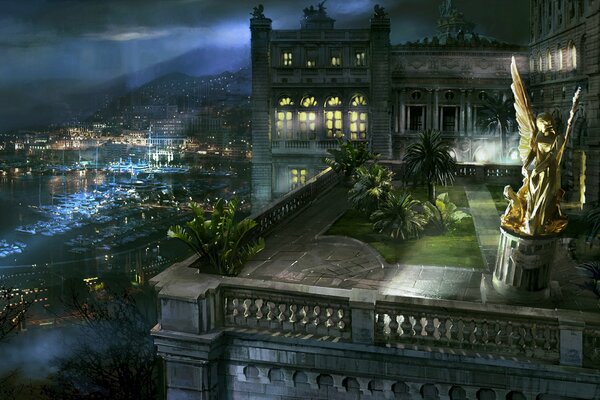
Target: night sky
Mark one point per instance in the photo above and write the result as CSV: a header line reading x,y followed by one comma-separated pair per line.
x,y
94,41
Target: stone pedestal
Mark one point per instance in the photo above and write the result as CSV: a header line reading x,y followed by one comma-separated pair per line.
x,y
523,266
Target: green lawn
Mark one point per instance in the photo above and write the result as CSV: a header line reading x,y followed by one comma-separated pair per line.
x,y
498,196
458,248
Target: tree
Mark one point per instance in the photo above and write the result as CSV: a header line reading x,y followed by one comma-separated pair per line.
x,y
593,220
430,158
498,113
400,217
349,157
114,356
444,213
221,242
372,186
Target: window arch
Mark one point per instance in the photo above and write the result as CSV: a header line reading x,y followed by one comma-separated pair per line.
x,y
550,63
307,118
333,117
284,118
358,117
541,63
573,54
561,61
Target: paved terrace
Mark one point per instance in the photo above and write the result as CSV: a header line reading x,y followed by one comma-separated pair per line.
x,y
297,251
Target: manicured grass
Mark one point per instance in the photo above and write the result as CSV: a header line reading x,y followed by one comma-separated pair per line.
x,y
458,248
498,196
456,193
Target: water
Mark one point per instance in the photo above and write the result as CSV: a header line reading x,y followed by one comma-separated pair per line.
x,y
90,225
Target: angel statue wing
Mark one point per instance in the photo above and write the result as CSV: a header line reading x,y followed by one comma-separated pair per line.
x,y
525,119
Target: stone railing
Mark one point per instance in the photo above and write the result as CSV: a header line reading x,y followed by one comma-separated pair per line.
x,y
288,205
319,147
477,330
278,312
491,332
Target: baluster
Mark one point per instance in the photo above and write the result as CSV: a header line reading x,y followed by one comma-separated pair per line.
x,y
401,320
380,325
485,334
498,333
271,310
247,304
316,314
424,326
328,314
473,333
437,334
234,309
449,327
281,317
406,326
259,303
460,334
293,308
341,324
305,311
392,325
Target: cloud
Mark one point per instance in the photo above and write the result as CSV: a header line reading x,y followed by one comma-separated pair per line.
x,y
122,35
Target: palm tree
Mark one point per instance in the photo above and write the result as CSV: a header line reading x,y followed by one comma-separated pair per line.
x,y
349,157
593,220
400,217
372,186
498,114
430,158
224,244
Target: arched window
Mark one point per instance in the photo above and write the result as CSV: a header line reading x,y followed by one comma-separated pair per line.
x,y
550,63
573,53
285,122
307,118
333,117
541,63
531,64
561,61
358,117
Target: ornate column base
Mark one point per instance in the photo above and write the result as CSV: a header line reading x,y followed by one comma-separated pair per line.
x,y
523,269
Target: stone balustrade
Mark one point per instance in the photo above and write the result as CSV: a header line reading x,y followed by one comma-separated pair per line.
x,y
272,214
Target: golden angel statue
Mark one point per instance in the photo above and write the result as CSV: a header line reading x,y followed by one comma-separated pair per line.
x,y
535,209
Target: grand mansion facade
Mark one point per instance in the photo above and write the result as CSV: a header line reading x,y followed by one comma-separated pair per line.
x,y
316,85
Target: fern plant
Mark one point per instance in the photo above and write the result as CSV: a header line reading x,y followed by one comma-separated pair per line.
x,y
221,242
590,272
400,217
371,187
444,213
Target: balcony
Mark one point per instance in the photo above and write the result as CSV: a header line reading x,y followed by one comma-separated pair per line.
x,y
308,147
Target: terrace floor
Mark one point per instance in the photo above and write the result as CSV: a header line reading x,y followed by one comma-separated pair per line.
x,y
299,252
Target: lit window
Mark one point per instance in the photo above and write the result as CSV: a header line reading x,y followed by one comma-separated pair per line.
x,y
311,63
561,64
287,58
286,101
333,102
298,177
360,59
573,56
336,58
309,101
358,100
284,124
358,125
550,64
541,63
311,58
307,121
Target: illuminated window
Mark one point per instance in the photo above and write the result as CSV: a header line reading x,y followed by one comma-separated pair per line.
x,y
333,118
311,58
358,100
286,101
309,101
286,58
285,122
561,64
358,125
336,58
360,59
541,63
307,120
550,64
297,177
573,51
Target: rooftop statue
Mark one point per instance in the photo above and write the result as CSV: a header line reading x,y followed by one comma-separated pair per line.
x,y
535,209
258,12
320,11
379,11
